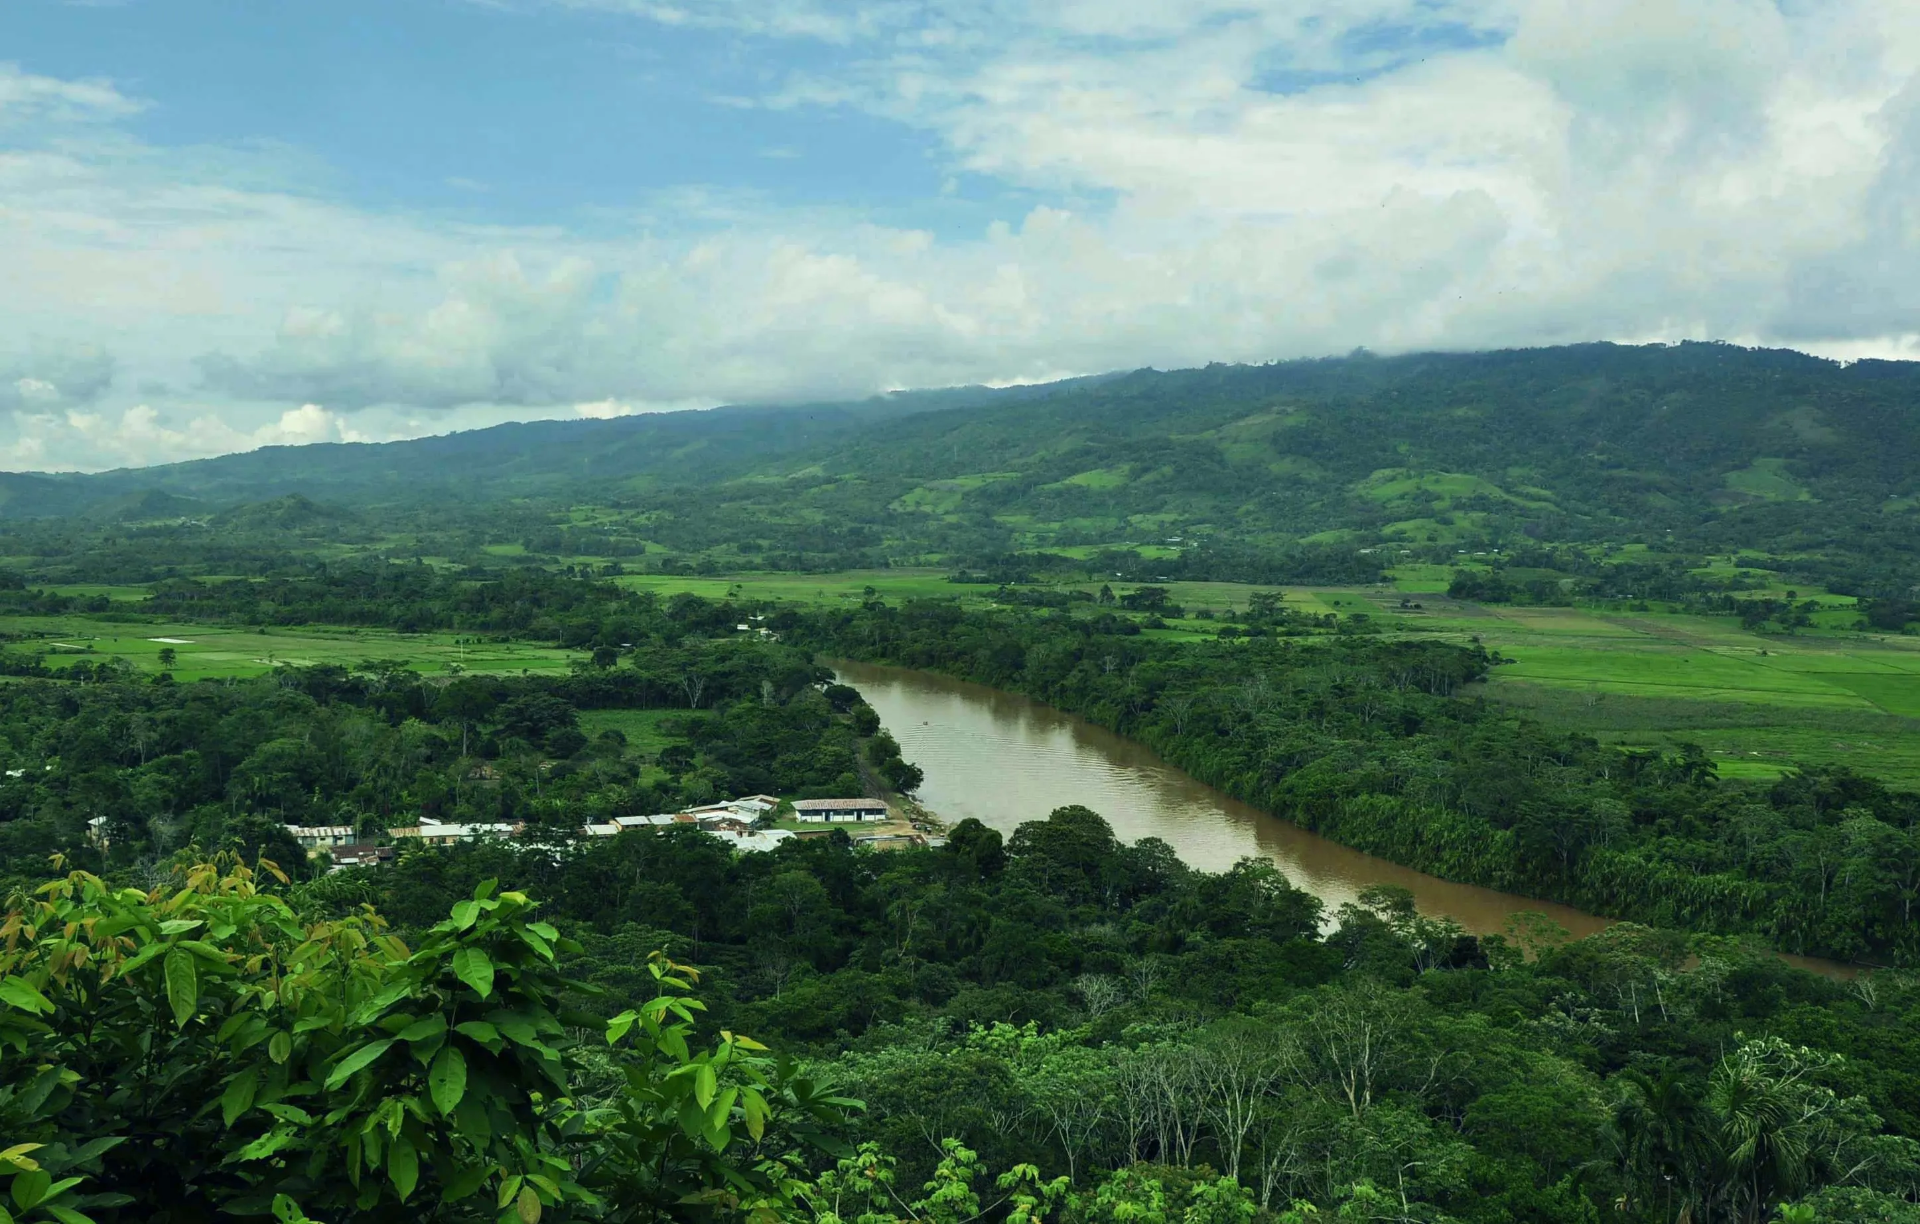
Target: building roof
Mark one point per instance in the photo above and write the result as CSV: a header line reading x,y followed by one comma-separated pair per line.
x,y
363,852
752,842
835,805
661,818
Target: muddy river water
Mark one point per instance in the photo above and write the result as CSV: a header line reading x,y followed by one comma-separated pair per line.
x,y
1003,760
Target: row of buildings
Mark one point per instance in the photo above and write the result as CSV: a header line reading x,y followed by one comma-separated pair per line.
x,y
735,821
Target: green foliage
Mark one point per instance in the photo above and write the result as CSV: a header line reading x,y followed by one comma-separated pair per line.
x,y
201,1050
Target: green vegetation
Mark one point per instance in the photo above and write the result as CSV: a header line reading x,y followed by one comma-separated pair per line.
x,y
665,706
1635,629
1053,1029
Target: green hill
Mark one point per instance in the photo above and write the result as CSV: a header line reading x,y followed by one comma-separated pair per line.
x,y
1701,448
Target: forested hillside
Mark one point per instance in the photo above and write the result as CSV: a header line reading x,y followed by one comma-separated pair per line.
x,y
1299,471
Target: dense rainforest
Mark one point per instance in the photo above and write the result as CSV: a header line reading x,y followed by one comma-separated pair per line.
x,y
1056,1027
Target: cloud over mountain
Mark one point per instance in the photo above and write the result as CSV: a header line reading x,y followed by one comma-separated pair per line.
x,y
1179,181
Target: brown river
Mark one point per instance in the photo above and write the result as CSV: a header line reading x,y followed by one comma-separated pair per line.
x,y
1004,759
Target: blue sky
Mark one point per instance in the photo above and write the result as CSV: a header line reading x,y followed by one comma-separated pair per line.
x,y
505,114
225,225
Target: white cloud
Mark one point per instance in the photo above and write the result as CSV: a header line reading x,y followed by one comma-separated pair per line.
x,y
1240,180
141,436
25,96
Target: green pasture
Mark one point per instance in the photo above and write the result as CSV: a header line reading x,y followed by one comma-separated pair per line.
x,y
641,727
203,651
1760,703
91,590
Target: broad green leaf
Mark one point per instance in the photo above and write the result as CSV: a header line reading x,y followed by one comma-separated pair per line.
x,y
703,1085
265,1146
30,1188
352,1063
174,926
59,1188
447,1079
465,1183
238,1097
183,985
94,1148
289,1113
755,1107
140,958
403,1166
474,967
528,1205
280,1048
424,1030
479,1030
465,913
516,1028
16,1157
18,992
66,1215
619,1026
205,951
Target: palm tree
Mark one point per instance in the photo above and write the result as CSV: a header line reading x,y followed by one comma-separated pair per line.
x,y
1772,1120
1659,1127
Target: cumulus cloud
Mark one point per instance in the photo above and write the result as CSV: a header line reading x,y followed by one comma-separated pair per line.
x,y
53,377
141,436
1219,179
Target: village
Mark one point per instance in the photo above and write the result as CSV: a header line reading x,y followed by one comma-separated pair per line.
x,y
748,824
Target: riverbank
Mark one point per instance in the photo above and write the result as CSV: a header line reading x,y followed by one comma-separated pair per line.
x,y
1004,759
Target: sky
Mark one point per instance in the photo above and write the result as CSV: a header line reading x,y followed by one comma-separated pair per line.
x,y
226,225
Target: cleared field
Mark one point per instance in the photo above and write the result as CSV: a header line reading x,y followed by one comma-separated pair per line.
x,y
1760,703
641,727
89,590
202,651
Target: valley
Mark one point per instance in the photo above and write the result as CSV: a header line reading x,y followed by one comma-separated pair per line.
x,y
1412,691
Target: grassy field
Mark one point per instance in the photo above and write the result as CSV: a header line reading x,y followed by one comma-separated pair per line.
x,y
641,727
207,651
1759,702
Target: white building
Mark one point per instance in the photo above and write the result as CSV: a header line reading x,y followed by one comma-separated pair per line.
x,y
322,837
448,834
752,842
839,811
